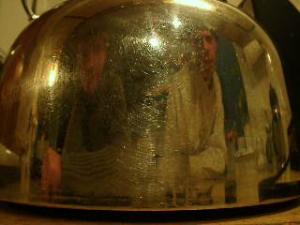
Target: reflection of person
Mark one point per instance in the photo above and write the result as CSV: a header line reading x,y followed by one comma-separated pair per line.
x,y
195,144
96,133
234,95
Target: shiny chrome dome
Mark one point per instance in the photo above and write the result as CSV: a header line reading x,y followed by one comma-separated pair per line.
x,y
161,105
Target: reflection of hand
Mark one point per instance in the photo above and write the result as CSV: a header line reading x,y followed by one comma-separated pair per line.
x,y
51,172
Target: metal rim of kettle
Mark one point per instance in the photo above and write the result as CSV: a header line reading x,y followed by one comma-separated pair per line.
x,y
32,15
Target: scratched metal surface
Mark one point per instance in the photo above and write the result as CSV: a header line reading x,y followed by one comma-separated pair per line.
x,y
125,105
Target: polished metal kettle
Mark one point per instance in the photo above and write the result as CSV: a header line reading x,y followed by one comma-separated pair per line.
x,y
145,105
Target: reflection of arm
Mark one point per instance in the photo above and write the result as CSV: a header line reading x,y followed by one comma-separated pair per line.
x,y
58,115
118,114
56,111
212,159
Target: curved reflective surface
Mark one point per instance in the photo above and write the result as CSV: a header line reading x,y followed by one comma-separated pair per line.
x,y
132,105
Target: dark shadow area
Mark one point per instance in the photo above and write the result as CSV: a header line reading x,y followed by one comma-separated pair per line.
x,y
148,216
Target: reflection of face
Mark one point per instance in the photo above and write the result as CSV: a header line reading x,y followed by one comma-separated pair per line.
x,y
92,64
210,49
206,52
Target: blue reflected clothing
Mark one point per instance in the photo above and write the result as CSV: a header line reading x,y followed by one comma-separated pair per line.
x,y
234,96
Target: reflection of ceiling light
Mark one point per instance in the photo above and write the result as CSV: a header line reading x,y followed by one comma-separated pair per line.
x,y
176,22
8,152
269,58
155,42
201,4
52,76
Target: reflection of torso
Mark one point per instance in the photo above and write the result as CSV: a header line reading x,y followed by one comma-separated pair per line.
x,y
191,112
194,140
98,119
88,124
95,140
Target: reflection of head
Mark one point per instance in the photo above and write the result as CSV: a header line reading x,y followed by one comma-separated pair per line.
x,y
204,51
92,60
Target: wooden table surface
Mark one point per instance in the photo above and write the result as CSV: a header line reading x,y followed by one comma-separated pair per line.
x,y
288,213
